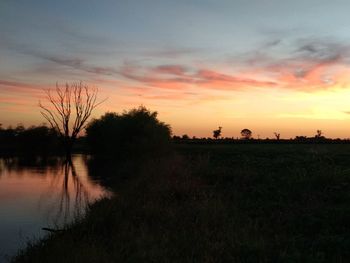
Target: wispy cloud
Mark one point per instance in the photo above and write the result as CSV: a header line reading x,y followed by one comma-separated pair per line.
x,y
19,87
308,64
78,64
181,76
171,52
178,70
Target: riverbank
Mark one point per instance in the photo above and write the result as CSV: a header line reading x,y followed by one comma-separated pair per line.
x,y
216,203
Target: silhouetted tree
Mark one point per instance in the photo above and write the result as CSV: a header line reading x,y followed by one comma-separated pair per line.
x,y
217,133
185,137
277,135
318,134
246,134
133,132
70,108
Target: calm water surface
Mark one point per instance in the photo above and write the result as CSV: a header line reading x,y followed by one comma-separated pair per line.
x,y
41,192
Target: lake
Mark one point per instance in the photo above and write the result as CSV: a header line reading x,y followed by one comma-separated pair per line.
x,y
42,192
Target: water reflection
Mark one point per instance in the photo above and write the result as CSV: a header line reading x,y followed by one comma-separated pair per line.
x,y
72,195
42,192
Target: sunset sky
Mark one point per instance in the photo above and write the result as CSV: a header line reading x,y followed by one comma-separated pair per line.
x,y
267,65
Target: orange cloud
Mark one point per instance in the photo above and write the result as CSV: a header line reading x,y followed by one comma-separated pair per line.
x,y
180,77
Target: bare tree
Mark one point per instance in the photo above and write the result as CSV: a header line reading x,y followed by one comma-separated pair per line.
x,y
277,135
70,108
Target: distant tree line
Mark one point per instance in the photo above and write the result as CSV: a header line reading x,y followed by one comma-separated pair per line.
x,y
247,137
228,140
137,131
34,139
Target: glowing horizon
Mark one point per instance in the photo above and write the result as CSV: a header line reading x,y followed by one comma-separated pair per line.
x,y
231,64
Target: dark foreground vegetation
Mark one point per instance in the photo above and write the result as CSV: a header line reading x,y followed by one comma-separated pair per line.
x,y
214,203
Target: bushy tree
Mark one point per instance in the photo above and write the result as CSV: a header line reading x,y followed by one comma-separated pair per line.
x,y
185,137
136,131
217,133
246,134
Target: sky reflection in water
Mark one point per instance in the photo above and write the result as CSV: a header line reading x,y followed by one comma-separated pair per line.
x,y
41,192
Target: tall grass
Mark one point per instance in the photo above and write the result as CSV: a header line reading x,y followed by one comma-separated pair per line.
x,y
229,203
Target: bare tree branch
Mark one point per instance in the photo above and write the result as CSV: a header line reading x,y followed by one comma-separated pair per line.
x,y
77,96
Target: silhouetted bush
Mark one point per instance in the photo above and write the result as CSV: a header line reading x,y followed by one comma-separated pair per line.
x,y
132,132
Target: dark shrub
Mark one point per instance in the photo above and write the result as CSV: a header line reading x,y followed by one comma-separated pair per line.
x,y
137,131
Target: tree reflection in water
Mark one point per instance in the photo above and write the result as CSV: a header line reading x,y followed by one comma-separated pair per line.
x,y
76,189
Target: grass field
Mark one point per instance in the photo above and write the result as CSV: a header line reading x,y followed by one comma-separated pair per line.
x,y
216,203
